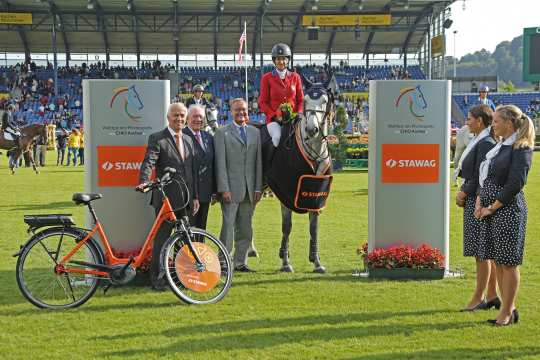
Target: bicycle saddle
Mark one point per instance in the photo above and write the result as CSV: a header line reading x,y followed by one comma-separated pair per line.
x,y
83,198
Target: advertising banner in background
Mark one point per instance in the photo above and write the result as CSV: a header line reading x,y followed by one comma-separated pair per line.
x,y
409,144
119,115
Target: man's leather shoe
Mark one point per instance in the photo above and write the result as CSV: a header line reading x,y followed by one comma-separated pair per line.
x,y
253,253
243,268
159,285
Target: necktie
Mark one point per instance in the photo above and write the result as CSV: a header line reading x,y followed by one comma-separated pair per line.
x,y
243,134
179,145
199,139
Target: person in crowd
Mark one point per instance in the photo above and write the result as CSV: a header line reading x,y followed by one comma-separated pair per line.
x,y
81,147
61,144
170,147
278,87
501,203
74,141
483,93
239,181
198,98
479,123
203,143
40,150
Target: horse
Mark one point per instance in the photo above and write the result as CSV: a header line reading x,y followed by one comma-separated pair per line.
x,y
211,120
28,135
309,132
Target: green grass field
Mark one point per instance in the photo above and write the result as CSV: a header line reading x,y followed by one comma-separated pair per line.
x,y
267,315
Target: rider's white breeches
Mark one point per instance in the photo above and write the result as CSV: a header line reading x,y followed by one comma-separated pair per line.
x,y
274,129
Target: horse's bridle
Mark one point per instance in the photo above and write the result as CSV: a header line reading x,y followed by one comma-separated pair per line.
x,y
316,156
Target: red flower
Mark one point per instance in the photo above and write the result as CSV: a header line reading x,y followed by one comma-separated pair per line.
x,y
403,256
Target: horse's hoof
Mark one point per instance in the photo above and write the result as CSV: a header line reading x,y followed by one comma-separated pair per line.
x,y
319,270
287,269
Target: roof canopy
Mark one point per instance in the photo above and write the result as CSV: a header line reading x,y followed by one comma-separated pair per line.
x,y
213,26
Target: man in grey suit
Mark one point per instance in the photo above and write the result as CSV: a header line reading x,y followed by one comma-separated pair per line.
x,y
170,147
239,181
203,143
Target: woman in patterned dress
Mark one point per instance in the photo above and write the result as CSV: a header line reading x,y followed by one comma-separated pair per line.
x,y
501,203
479,123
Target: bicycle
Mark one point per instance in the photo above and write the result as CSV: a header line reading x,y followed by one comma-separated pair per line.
x,y
61,266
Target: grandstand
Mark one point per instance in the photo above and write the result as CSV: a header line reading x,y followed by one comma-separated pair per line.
x,y
192,42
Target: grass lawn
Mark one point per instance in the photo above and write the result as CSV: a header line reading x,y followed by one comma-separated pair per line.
x,y
267,315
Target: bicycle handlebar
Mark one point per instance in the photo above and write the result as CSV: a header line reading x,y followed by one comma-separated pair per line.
x,y
165,179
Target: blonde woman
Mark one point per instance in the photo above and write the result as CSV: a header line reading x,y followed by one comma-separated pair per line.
x,y
501,203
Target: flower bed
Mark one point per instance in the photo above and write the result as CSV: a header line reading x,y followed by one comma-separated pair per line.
x,y
403,262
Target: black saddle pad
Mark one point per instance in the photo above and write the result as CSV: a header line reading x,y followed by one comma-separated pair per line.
x,y
284,175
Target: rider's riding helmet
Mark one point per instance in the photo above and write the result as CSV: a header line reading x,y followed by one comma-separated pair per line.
x,y
281,49
484,88
198,87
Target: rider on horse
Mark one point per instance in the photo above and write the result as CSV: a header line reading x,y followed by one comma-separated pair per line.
x,y
198,98
9,124
280,86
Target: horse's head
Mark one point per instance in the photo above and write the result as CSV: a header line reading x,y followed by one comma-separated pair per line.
x,y
318,107
134,99
212,117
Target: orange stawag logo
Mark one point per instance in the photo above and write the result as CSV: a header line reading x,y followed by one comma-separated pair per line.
x,y
410,163
119,165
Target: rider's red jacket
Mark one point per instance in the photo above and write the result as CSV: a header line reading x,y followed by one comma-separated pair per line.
x,y
275,92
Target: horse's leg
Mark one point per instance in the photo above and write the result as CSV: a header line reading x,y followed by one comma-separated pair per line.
x,y
286,226
313,246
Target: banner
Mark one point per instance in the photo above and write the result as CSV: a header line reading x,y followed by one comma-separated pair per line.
x,y
119,115
409,127
437,46
347,20
16,18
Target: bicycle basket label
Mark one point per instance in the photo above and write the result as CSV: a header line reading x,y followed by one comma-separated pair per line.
x,y
192,279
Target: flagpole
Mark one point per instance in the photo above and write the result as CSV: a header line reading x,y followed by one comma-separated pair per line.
x,y
245,61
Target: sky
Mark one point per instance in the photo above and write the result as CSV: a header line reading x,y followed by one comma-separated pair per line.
x,y
485,23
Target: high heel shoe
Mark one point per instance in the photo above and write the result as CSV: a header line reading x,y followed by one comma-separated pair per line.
x,y
516,316
512,320
480,306
495,302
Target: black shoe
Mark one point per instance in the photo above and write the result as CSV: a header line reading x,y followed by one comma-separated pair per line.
x,y
243,268
158,284
512,320
495,302
480,306
253,253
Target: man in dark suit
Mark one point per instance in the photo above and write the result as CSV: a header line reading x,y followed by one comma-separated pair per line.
x,y
170,148
239,181
198,98
204,150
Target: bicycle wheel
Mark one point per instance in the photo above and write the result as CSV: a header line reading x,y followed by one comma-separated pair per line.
x,y
189,284
36,276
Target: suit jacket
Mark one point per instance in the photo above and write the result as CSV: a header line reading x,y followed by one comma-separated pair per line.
x,y
509,169
161,153
238,165
471,165
275,92
205,158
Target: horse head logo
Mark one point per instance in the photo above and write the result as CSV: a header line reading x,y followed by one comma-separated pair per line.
x,y
415,99
131,101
